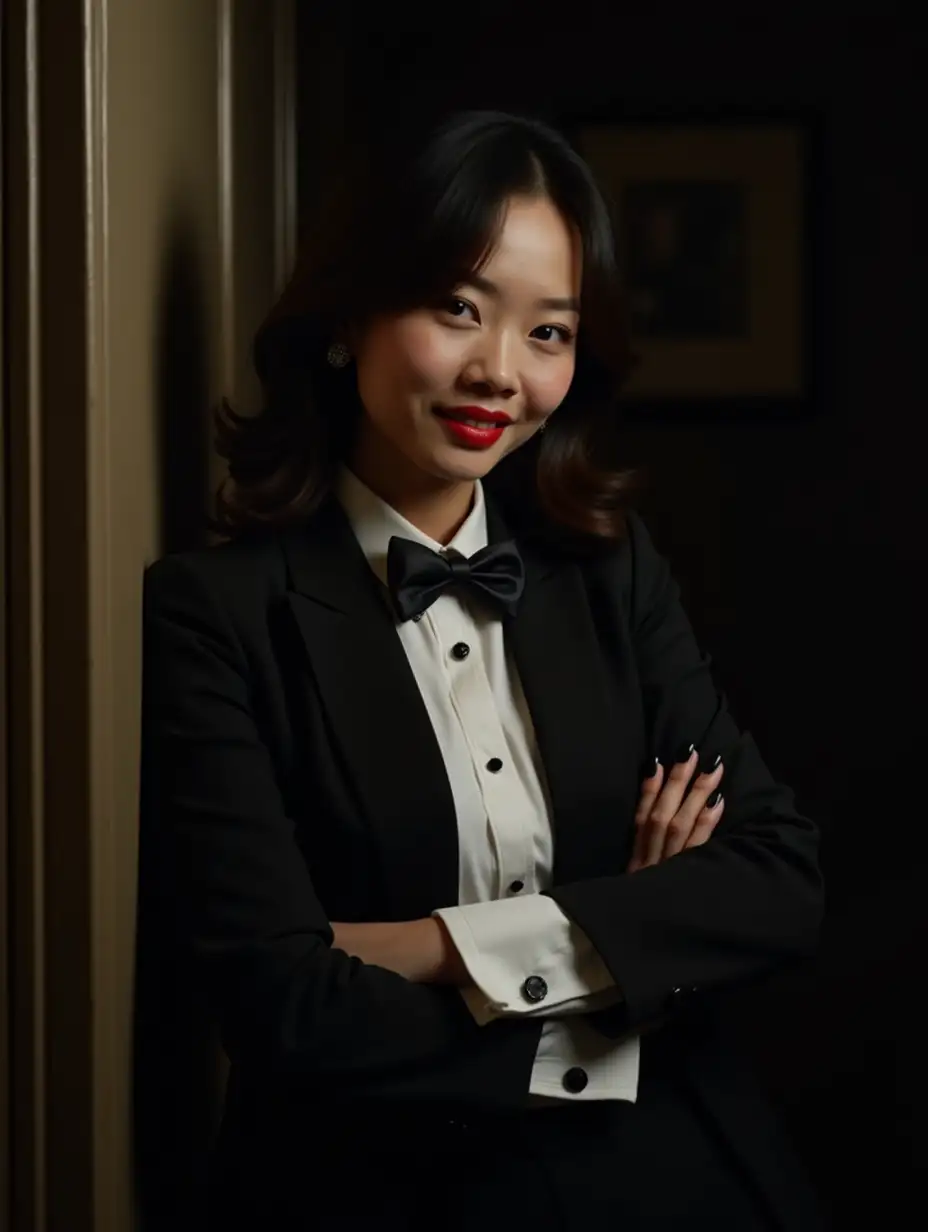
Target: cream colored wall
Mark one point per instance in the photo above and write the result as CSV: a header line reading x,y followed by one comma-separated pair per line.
x,y
156,178
163,205
185,222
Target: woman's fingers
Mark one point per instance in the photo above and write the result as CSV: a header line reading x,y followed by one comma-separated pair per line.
x,y
666,807
675,811
707,820
681,826
652,827
650,790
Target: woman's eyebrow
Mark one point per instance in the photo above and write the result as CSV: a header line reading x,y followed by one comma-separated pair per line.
x,y
566,303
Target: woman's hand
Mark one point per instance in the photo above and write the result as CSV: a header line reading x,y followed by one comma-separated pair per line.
x,y
419,950
669,819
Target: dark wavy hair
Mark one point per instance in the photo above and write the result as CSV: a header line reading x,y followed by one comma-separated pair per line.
x,y
405,224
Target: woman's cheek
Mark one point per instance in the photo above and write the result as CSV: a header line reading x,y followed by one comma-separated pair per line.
x,y
551,390
430,355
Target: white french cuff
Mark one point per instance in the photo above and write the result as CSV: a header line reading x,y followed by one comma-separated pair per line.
x,y
526,959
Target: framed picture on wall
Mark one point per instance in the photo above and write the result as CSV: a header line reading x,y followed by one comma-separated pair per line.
x,y
713,236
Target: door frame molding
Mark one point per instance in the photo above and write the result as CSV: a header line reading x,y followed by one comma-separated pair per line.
x,y
63,995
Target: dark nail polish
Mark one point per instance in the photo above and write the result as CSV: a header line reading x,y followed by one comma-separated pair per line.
x,y
714,799
687,754
715,765
655,767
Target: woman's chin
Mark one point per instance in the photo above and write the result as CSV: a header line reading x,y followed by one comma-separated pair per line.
x,y
460,465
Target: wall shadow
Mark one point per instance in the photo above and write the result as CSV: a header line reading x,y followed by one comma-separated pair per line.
x,y
183,390
177,1070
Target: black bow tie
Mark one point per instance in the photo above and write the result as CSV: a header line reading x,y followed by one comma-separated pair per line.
x,y
417,576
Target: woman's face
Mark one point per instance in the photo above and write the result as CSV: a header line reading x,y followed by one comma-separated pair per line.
x,y
501,346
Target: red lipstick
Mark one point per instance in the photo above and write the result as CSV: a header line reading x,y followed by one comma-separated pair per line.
x,y
473,426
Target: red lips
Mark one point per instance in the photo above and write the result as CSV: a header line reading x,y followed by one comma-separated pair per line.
x,y
480,413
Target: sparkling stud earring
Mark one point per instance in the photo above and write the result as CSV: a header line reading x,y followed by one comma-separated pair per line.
x,y
338,355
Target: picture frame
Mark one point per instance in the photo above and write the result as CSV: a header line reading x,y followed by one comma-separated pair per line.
x,y
714,234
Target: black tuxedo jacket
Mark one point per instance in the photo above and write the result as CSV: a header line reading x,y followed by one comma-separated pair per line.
x,y
292,774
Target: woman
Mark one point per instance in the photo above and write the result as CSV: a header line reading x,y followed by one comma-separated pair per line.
x,y
397,728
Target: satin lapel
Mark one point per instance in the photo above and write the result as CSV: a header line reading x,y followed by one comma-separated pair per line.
x,y
379,722
587,731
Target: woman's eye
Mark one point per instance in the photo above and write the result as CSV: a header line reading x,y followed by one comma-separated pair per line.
x,y
459,307
559,332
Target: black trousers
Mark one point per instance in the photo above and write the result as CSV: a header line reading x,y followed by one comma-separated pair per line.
x,y
588,1167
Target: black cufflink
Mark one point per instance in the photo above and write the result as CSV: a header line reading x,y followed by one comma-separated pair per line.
x,y
535,989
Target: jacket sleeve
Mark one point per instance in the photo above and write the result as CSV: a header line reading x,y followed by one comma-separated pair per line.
x,y
286,1001
748,900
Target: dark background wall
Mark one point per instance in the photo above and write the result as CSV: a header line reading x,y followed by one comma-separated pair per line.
x,y
799,544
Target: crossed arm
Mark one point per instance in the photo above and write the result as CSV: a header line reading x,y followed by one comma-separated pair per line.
x,y
669,819
296,997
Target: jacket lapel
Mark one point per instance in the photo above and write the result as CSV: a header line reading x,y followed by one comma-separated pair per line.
x,y
384,736
587,733
379,722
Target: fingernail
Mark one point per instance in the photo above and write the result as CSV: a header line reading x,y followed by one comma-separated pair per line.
x,y
714,799
715,765
687,754
657,766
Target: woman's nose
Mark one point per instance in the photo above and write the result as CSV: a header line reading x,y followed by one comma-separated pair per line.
x,y
492,366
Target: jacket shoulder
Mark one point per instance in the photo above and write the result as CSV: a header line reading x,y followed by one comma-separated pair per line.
x,y
629,571
233,572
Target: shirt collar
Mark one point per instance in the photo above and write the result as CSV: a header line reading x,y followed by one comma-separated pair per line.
x,y
374,523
